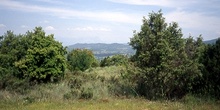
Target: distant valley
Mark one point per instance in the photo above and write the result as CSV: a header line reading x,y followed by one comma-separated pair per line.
x,y
102,50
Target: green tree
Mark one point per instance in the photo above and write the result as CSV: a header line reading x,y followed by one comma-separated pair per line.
x,y
7,57
81,59
167,70
12,49
7,53
114,60
44,60
210,83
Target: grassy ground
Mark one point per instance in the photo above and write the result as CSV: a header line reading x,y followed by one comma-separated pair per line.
x,y
99,87
109,104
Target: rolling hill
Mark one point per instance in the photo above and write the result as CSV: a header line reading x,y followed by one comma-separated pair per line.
x,y
210,41
102,50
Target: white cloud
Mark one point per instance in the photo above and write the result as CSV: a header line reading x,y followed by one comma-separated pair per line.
x,y
56,2
164,3
88,29
194,20
195,23
49,28
71,13
2,26
50,1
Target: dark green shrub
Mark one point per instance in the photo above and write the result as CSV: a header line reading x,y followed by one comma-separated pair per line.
x,y
12,49
44,60
210,82
26,60
81,59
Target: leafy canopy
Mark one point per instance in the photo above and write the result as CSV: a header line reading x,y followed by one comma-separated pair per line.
x,y
44,60
12,48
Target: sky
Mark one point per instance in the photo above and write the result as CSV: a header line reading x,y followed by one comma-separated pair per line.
x,y
106,21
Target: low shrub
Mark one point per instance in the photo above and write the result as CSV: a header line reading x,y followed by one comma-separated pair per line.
x,y
87,93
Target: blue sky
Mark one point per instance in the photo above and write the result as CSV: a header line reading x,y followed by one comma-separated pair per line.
x,y
106,21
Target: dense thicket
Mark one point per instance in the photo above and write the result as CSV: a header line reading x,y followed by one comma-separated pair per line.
x,y
210,82
81,59
12,49
169,63
45,59
32,56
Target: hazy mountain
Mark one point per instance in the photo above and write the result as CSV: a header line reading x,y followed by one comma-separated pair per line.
x,y
102,50
211,41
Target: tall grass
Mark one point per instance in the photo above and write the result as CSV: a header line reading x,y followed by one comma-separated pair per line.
x,y
95,83
111,104
96,88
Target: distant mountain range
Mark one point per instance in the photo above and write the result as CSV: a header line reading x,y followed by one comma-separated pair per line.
x,y
211,41
102,50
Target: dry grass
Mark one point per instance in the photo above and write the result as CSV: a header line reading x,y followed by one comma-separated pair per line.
x,y
107,72
109,104
51,96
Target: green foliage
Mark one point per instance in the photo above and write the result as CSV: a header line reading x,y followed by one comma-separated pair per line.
x,y
168,65
210,83
81,59
11,50
115,60
33,56
44,60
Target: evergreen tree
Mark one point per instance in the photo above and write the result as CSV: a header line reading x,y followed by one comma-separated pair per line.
x,y
161,52
211,73
11,50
